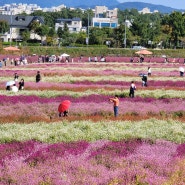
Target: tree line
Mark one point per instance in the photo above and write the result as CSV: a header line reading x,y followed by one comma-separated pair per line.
x,y
149,30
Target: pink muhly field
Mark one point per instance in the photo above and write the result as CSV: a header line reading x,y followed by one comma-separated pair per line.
x,y
30,108
102,162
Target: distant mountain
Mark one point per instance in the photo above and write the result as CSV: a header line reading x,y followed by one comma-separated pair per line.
x,y
139,6
92,3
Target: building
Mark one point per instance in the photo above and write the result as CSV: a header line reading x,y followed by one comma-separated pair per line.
x,y
104,17
54,9
147,11
20,8
18,24
74,25
105,22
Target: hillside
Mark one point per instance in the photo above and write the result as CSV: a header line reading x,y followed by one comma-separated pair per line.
x,y
139,6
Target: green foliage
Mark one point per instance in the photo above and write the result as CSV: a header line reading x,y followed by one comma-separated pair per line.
x,y
42,30
34,25
179,114
4,27
25,35
97,36
60,32
81,36
155,27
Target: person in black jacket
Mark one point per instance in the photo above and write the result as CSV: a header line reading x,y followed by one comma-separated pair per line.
x,y
21,84
16,76
144,81
38,77
132,89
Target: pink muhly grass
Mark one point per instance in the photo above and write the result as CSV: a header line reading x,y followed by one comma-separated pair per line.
x,y
180,150
87,105
101,162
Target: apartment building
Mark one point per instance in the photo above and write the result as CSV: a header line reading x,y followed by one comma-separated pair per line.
x,y
103,17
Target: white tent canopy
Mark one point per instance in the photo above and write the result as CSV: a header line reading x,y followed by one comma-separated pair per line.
x,y
64,55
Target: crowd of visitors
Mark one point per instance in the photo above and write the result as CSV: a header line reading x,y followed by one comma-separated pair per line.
x,y
16,86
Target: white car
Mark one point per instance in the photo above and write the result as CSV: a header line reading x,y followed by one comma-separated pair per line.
x,y
138,47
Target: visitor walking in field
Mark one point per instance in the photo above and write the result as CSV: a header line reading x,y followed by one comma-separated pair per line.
x,y
16,76
149,71
132,89
144,81
181,70
95,59
38,77
115,101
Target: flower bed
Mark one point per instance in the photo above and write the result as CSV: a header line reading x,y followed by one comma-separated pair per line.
x,y
143,145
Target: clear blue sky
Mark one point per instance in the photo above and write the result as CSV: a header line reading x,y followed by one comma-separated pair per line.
x,y
180,4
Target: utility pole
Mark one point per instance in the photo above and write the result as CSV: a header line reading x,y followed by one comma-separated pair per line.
x,y
10,27
87,38
88,29
125,36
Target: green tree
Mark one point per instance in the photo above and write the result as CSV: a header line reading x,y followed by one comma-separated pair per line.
x,y
33,27
52,37
52,32
64,34
4,27
25,35
97,36
119,35
177,23
42,31
65,29
81,36
60,32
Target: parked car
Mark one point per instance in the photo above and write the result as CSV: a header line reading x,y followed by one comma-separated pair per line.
x,y
138,47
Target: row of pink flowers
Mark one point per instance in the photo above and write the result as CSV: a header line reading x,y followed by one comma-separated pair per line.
x,y
42,107
101,162
99,84
86,99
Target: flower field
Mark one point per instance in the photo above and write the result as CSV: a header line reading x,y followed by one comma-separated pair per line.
x,y
144,145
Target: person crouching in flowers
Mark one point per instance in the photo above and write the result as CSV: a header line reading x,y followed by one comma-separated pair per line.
x,y
115,101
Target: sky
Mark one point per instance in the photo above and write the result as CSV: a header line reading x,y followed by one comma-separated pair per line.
x,y
179,4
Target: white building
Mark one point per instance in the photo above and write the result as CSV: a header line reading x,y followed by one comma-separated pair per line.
x,y
54,9
15,9
105,22
74,25
147,10
104,17
20,8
